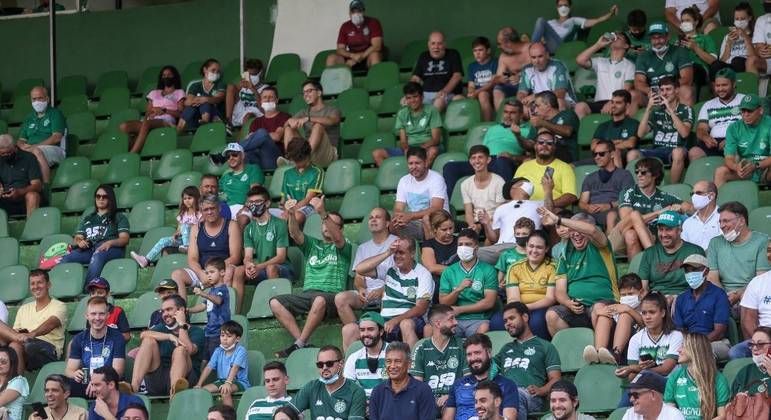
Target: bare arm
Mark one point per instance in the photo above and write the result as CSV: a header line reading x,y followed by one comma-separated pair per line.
x,y
591,22
295,232
368,267
718,332
749,318
192,251
46,327
641,84
671,14
686,76
454,80
561,292
428,259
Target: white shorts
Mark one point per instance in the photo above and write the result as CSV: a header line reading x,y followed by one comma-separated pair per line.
x,y
240,110
53,154
195,281
168,119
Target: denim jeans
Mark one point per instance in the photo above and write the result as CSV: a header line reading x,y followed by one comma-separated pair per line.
x,y
261,149
740,350
191,114
551,38
95,260
528,403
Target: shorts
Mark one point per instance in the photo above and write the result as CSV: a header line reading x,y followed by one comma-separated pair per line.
x,y
708,150
325,153
396,332
53,154
428,97
596,107
219,382
370,305
508,89
168,119
38,353
284,271
158,382
300,303
469,327
240,110
195,281
14,207
210,344
663,153
577,320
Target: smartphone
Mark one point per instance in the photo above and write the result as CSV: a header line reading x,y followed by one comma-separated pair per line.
x,y
38,409
645,357
549,172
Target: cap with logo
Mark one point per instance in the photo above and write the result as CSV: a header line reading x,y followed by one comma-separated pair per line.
x,y
374,317
166,284
658,28
232,147
696,260
750,102
669,218
649,380
98,283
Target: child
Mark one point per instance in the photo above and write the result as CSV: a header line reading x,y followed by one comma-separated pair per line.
x,y
216,304
523,227
231,362
241,104
482,76
626,315
116,316
564,233
188,216
303,182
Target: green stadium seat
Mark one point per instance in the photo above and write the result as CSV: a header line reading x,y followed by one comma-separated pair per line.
x,y
116,118
231,72
37,391
277,181
681,191
732,368
499,339
381,76
47,242
279,64
290,83
122,274
461,115
747,83
171,164
67,280
148,80
23,88
462,44
411,53
10,254
341,175
262,294
15,283
618,413
374,141
145,216
190,72
122,167
3,223
108,144
178,184
358,125
71,86
456,198
82,403
335,80
390,172
256,360
355,346
42,222
134,190
320,63
567,53
745,192
70,171
145,305
446,158
296,104
22,107
3,127
703,169
634,265
190,404
476,134
81,126
73,104
581,173
301,367
599,389
204,165
588,126
359,201
159,141
113,100
760,220
207,137
248,397
165,266
200,317
80,196
390,102
152,236
351,100
570,345
312,226
110,80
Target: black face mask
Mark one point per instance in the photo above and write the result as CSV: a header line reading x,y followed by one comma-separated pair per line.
x,y
521,240
257,209
372,364
767,7
168,81
8,158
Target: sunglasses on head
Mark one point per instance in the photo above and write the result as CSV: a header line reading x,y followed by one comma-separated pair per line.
x,y
327,364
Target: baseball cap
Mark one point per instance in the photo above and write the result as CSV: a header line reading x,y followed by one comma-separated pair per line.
x,y
374,317
750,102
696,259
166,284
356,5
648,380
527,187
98,283
658,28
565,386
232,147
669,218
726,73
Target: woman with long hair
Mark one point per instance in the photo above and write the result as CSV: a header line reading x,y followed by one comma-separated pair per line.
x,y
204,99
14,388
697,389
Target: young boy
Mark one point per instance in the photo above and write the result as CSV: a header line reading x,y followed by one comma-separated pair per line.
x,y
481,74
627,317
216,304
523,227
116,316
303,182
231,362
564,234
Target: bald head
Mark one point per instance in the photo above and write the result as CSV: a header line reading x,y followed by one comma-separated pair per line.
x,y
506,38
538,56
6,143
39,93
705,187
436,46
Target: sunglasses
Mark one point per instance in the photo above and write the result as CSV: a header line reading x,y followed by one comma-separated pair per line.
x,y
636,395
642,172
232,154
544,142
327,364
102,196
600,154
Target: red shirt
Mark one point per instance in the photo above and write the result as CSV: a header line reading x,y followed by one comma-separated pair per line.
x,y
270,125
359,38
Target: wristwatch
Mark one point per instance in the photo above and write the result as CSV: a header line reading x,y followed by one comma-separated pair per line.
x,y
185,326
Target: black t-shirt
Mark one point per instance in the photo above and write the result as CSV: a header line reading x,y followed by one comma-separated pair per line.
x,y
436,73
19,171
444,254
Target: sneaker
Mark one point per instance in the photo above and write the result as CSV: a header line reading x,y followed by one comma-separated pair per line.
x,y
180,385
590,354
125,387
140,259
182,249
283,354
605,356
230,130
142,388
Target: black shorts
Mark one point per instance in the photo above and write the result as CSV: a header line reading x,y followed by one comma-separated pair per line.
x,y
583,319
396,332
300,303
710,151
158,382
39,353
210,344
14,207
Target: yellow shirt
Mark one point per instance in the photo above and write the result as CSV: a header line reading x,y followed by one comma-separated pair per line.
x,y
30,318
564,178
532,283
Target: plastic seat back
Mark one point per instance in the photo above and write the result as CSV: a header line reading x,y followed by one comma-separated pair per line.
x,y
172,163
42,222
570,345
15,283
122,274
146,215
134,190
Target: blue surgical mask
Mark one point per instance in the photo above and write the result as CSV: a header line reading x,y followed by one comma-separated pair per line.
x,y
694,279
331,380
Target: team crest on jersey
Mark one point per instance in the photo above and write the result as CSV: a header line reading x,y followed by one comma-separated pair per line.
x,y
244,178
624,133
669,66
411,293
269,236
476,285
340,406
45,123
530,351
735,110
365,31
682,381
452,362
617,74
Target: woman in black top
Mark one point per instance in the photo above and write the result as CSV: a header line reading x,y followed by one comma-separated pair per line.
x,y
439,251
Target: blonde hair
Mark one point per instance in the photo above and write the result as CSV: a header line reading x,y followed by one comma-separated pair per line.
x,y
703,369
437,218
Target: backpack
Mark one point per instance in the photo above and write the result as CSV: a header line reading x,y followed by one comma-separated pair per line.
x,y
750,407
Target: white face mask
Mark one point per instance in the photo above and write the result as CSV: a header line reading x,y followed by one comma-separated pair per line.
x,y
357,19
563,11
40,106
660,50
254,78
758,360
699,201
632,301
212,77
269,106
731,235
465,253
228,348
741,23
686,26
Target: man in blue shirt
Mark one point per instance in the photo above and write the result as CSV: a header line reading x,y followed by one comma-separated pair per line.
x,y
460,403
109,403
705,308
401,396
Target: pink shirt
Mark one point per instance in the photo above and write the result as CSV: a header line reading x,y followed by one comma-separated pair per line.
x,y
171,101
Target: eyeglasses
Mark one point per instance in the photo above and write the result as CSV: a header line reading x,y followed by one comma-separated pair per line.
x,y
308,91
4,361
723,221
600,154
544,142
642,172
209,209
102,196
758,345
327,364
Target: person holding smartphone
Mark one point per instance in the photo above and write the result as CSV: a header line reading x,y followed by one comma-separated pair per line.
x,y
57,391
553,180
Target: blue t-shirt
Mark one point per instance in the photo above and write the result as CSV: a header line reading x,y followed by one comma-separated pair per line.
x,y
482,74
700,316
216,315
462,395
123,402
94,353
222,362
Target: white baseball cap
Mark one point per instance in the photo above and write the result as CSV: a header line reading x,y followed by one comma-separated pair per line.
x,y
232,147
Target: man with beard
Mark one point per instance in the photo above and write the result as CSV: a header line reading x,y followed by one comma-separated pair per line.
x,y
365,366
545,74
331,396
239,178
530,361
621,129
487,401
439,360
110,403
418,194
563,124
663,60
547,171
716,115
401,396
318,123
747,145
563,403
460,404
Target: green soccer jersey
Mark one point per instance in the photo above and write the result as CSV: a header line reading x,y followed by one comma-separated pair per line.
x,y
483,278
98,228
166,347
683,392
706,43
751,142
663,128
263,408
591,274
663,270
751,380
266,238
347,402
297,183
357,369
507,258
439,368
500,138
653,67
567,117
196,88
528,362
326,265
617,130
418,126
636,199
234,186
35,129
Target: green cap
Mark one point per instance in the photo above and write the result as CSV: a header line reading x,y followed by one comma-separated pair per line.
x,y
374,317
726,73
658,28
669,218
166,284
750,102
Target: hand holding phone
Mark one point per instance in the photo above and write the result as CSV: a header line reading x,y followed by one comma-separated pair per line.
x,y
39,410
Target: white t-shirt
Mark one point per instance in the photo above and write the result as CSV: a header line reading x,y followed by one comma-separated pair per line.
x,y
508,214
757,295
667,413
16,407
720,115
681,5
3,312
738,49
700,233
611,76
762,33
418,194
370,249
488,198
570,25
667,346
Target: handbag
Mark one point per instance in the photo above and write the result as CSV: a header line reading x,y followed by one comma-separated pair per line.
x,y
750,407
